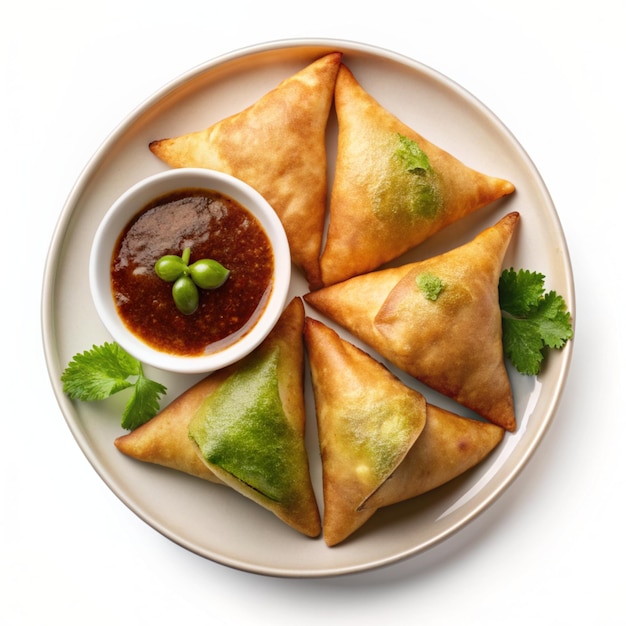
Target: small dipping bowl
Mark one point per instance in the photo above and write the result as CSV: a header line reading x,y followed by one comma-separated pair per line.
x,y
133,202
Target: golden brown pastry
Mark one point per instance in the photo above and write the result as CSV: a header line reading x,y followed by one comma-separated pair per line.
x,y
380,441
392,188
278,146
367,422
437,319
245,426
448,446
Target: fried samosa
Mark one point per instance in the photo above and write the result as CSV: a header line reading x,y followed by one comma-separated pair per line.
x,y
437,319
392,188
367,422
245,426
278,146
380,441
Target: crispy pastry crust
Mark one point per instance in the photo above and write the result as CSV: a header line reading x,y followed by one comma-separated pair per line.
x,y
448,446
278,146
452,344
367,422
165,439
351,392
363,235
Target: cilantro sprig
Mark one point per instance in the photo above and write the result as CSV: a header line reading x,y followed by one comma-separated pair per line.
x,y
108,369
532,320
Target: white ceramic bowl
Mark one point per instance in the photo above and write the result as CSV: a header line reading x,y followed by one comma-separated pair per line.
x,y
132,202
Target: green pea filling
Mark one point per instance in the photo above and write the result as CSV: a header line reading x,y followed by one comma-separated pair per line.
x,y
408,191
430,285
376,433
243,429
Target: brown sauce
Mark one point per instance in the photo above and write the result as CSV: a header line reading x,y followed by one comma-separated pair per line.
x,y
214,226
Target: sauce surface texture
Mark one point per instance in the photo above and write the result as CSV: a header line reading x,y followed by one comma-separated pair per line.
x,y
214,226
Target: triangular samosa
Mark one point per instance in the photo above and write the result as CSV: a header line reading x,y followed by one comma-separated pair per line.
x,y
392,188
380,441
245,425
367,422
278,146
437,319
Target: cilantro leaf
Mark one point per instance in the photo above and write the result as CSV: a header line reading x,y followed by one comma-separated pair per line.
x,y
98,373
105,370
554,319
520,292
532,320
521,339
143,404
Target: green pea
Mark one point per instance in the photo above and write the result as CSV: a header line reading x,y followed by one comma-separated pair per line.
x,y
170,267
208,273
185,294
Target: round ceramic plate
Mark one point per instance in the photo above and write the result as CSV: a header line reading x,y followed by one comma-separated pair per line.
x,y
214,521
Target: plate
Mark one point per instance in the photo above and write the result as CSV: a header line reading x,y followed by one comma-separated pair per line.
x,y
213,521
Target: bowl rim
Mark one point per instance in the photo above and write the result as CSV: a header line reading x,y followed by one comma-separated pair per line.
x,y
128,205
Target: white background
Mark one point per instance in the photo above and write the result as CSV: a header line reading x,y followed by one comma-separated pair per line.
x,y
551,550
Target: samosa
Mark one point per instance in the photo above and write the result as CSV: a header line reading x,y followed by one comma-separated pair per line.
x,y
366,426
244,426
392,187
380,441
438,319
278,146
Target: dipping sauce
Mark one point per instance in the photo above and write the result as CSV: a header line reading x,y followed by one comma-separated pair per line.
x,y
214,226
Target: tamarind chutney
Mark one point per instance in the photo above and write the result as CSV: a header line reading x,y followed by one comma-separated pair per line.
x,y
214,226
